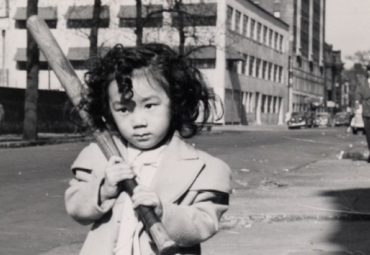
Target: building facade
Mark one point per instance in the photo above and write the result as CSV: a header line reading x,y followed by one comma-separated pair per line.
x,y
245,61
258,84
306,19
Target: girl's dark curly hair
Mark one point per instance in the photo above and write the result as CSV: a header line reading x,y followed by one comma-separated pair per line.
x,y
190,99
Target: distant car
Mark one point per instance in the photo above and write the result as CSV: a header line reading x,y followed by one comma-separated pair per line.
x,y
323,119
300,119
357,123
341,119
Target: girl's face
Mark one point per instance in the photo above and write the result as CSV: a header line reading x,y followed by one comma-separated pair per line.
x,y
143,120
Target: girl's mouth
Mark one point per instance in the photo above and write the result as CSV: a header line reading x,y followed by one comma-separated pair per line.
x,y
142,136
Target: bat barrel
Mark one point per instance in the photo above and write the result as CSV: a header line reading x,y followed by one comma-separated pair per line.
x,y
72,85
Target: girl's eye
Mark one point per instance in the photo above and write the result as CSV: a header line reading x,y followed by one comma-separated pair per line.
x,y
150,106
123,110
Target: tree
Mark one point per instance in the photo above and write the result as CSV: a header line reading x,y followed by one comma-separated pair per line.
x,y
139,23
360,57
185,20
31,98
94,29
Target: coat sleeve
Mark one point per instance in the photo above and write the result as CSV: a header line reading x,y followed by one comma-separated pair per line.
x,y
82,195
197,217
193,224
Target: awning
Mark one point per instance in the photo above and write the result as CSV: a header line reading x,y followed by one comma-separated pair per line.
x,y
202,9
21,55
82,53
232,54
129,11
203,53
46,13
85,12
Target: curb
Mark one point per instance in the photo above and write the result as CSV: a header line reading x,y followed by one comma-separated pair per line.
x,y
20,144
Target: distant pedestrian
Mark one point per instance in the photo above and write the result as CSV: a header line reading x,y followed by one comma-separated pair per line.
x,y
150,97
362,96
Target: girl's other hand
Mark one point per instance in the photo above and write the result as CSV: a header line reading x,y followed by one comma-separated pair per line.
x,y
147,197
115,172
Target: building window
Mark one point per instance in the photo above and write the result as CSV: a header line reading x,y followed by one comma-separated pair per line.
x,y
281,43
203,14
271,34
276,41
275,78
232,65
251,66
43,65
81,17
237,21
253,22
277,14
203,63
264,70
280,74
265,35
258,68
259,30
229,14
269,71
151,16
263,104
245,25
244,64
49,14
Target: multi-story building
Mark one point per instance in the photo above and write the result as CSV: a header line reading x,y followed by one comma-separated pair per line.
x,y
337,92
246,61
306,19
258,87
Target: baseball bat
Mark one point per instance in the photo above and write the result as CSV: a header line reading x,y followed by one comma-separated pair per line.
x,y
72,85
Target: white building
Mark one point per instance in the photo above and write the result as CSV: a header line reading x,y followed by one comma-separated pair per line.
x,y
246,63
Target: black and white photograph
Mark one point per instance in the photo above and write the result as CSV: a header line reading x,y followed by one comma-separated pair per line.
x,y
185,127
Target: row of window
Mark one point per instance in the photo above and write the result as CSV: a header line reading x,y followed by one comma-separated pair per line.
x,y
269,104
204,14
248,27
308,87
258,68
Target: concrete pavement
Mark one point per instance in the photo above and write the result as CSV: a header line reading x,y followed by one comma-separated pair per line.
x,y
320,208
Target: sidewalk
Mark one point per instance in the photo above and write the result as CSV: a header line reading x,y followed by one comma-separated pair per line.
x,y
15,141
327,212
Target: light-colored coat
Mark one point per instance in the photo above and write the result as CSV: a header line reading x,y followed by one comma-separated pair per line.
x,y
193,187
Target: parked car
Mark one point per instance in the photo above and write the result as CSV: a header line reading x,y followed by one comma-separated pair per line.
x,y
323,119
357,123
342,119
300,119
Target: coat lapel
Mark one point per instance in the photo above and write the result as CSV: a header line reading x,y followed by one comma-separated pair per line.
x,y
177,171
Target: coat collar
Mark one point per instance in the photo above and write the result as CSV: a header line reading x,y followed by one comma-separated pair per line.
x,y
178,170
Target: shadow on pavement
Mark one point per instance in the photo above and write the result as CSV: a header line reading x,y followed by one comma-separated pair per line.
x,y
351,230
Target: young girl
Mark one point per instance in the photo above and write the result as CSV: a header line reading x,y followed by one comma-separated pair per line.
x,y
151,98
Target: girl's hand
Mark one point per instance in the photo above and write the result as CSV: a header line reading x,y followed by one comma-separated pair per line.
x,y
147,197
115,172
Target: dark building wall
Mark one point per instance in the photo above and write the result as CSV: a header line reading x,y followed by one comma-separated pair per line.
x,y
53,111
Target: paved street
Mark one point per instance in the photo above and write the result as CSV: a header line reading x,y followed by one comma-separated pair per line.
x,y
291,195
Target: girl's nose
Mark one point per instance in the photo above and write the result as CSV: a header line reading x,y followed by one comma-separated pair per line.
x,y
139,119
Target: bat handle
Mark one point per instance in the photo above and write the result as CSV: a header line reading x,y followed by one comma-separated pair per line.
x,y
165,245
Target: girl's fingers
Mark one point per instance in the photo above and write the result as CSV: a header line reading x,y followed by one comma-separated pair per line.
x,y
114,160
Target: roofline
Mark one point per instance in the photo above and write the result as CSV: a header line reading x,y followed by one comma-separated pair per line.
x,y
268,13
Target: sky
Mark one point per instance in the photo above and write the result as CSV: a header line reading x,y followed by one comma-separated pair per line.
x,y
348,26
